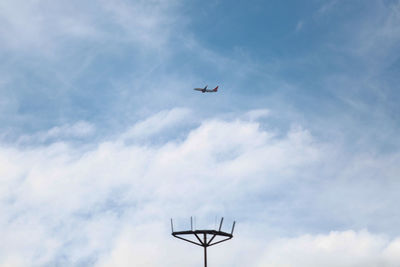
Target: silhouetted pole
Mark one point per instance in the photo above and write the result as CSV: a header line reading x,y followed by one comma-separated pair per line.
x,y
204,243
205,250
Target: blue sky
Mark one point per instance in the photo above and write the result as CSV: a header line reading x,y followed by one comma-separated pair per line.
x,y
102,137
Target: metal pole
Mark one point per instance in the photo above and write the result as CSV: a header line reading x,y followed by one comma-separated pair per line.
x,y
202,241
205,250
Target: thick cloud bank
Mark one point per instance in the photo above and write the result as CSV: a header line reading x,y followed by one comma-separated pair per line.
x,y
108,203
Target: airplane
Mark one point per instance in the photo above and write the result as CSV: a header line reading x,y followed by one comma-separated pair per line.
x,y
204,90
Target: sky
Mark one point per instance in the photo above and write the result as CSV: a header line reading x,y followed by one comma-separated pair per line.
x,y
103,140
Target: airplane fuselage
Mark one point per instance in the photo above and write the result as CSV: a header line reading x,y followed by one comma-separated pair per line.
x,y
205,90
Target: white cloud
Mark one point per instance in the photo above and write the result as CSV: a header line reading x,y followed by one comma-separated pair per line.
x,y
64,192
336,249
98,204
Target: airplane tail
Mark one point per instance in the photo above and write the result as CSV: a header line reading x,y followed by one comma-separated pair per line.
x,y
215,89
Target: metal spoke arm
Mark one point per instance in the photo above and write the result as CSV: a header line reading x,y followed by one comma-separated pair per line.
x,y
190,241
201,242
226,239
212,238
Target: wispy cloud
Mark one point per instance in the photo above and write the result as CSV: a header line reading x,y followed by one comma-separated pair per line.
x,y
45,25
326,7
157,123
80,129
299,25
57,53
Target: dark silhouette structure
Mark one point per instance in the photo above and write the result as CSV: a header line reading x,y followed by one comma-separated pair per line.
x,y
204,238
